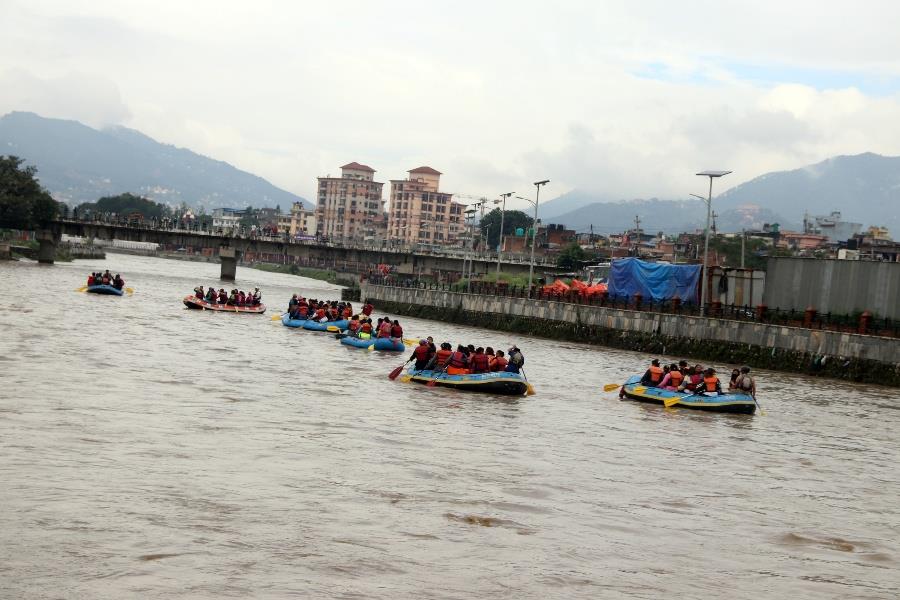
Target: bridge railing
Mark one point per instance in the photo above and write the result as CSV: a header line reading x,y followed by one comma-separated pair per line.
x,y
861,323
386,246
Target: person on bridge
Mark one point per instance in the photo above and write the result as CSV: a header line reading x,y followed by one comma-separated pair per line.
x,y
654,374
516,360
422,355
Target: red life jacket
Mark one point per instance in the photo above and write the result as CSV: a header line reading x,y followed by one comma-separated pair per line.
x,y
656,374
480,363
458,360
353,326
90,280
303,310
442,357
367,309
366,327
396,331
422,352
320,313
498,364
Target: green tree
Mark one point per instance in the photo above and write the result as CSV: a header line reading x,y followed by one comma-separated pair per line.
x,y
126,204
512,220
571,257
24,204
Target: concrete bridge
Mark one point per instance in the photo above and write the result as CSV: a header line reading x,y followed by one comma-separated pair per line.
x,y
339,256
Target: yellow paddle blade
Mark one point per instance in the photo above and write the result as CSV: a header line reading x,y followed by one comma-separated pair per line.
x,y
370,347
640,389
610,387
333,329
82,289
671,402
529,391
411,341
276,317
129,290
405,378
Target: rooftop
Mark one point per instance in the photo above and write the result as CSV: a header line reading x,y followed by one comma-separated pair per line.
x,y
425,170
358,167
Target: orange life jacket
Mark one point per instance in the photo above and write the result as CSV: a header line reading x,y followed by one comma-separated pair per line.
x,y
498,364
710,383
442,356
656,374
676,377
396,331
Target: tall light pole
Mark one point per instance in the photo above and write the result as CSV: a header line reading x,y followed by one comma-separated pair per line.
x,y
470,214
712,175
534,226
500,244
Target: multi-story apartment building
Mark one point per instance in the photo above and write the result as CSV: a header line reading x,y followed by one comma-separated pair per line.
x,y
420,213
300,222
349,206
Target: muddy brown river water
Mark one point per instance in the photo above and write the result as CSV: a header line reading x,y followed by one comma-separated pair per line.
x,y
149,451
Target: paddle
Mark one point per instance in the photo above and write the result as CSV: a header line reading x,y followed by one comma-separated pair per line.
x,y
670,402
278,317
434,381
396,372
333,329
82,289
761,411
529,389
610,387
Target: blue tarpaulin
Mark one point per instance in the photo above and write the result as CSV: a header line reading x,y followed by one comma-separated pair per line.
x,y
657,281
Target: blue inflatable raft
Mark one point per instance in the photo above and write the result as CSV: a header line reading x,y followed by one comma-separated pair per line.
x,y
316,326
356,342
500,383
104,289
389,345
289,322
729,403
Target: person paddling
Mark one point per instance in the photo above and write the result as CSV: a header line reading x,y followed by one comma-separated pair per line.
x,y
516,360
421,354
654,374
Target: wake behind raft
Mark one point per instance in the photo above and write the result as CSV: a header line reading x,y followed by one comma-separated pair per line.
x,y
729,403
500,383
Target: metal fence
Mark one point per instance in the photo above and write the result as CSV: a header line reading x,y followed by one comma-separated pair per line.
x,y
861,323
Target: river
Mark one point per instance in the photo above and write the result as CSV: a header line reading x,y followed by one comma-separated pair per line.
x,y
150,451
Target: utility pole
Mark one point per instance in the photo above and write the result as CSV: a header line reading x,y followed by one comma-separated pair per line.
x,y
714,215
743,237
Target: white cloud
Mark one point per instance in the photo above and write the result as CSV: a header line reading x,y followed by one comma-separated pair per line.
x,y
495,95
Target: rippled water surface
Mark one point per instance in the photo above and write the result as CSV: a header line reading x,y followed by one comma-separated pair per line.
x,y
148,451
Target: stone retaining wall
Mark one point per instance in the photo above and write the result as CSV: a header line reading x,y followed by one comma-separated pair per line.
x,y
834,354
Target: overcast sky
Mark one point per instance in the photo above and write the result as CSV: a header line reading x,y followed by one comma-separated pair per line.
x,y
627,99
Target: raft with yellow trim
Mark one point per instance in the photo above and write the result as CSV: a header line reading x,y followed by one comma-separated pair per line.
x,y
500,383
195,302
728,403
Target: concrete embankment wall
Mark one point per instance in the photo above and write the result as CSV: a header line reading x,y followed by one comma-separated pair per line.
x,y
834,354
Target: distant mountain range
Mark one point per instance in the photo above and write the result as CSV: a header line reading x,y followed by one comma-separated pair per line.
x,y
865,188
77,163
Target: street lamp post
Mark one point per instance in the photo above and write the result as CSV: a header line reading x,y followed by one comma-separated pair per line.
x,y
470,215
537,198
500,239
712,175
